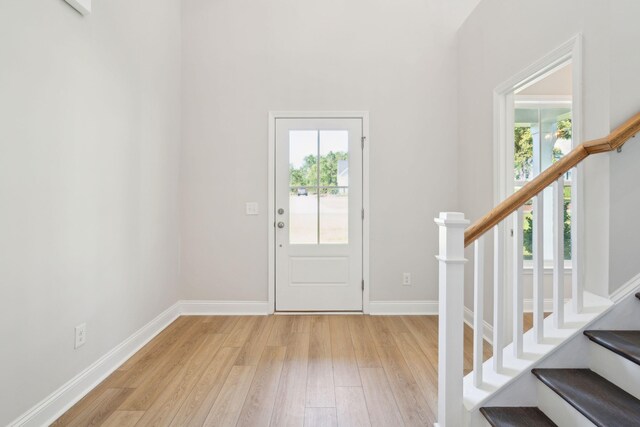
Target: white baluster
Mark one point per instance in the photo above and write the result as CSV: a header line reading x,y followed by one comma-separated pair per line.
x,y
576,276
517,283
498,296
538,267
478,311
558,252
450,320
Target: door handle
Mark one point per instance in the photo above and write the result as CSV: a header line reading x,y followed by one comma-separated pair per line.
x,y
281,224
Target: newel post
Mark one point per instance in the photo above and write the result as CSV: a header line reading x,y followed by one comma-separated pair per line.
x,y
451,314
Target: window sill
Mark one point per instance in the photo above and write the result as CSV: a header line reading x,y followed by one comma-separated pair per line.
x,y
548,268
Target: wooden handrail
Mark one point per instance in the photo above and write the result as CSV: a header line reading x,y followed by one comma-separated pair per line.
x,y
615,140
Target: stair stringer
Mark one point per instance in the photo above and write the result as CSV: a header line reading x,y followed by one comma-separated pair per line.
x,y
572,353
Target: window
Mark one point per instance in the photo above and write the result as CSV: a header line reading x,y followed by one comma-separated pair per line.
x,y
319,187
542,134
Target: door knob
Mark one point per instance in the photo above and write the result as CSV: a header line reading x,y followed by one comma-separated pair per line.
x,y
281,224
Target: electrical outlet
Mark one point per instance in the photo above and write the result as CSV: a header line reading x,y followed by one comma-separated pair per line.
x,y
406,279
81,335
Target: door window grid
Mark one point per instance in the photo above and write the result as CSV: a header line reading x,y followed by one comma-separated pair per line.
x,y
319,175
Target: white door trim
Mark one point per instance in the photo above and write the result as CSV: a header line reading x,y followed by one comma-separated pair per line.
x,y
273,115
570,51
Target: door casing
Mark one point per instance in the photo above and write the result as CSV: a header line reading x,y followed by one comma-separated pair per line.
x,y
273,116
570,51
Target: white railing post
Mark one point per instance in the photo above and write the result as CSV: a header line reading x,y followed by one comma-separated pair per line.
x,y
577,294
558,253
450,320
518,291
498,296
538,267
478,310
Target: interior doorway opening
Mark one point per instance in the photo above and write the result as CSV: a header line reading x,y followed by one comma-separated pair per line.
x,y
537,120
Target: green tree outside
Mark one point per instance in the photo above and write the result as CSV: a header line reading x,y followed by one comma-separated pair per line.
x,y
523,165
307,174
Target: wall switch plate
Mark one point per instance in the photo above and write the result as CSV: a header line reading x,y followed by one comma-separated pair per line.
x,y
81,335
406,279
252,208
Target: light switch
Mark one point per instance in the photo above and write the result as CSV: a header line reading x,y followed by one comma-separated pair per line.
x,y
252,208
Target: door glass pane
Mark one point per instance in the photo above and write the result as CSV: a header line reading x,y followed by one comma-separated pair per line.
x,y
334,158
334,215
303,158
303,215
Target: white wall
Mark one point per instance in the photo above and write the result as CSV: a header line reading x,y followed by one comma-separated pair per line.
x,y
89,142
502,37
498,40
624,249
242,59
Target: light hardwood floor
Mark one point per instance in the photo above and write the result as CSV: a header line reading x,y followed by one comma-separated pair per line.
x,y
278,371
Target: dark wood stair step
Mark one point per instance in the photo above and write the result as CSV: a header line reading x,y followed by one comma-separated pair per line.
x,y
624,343
602,402
516,417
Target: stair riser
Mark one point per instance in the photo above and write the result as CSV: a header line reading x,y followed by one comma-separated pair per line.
x,y
615,368
558,410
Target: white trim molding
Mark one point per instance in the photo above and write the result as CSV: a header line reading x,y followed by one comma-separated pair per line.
x,y
487,330
625,290
391,308
527,305
224,308
548,305
58,402
503,99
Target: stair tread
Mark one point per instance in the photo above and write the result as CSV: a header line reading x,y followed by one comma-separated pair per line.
x,y
624,343
602,402
500,416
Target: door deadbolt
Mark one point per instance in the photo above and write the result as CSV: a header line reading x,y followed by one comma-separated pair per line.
x,y
280,211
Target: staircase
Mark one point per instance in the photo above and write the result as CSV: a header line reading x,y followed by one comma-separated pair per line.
x,y
580,397
521,369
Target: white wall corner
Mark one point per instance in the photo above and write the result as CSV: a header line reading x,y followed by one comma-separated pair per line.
x,y
224,308
82,6
398,308
58,402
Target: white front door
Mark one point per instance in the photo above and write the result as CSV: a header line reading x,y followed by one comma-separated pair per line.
x,y
318,218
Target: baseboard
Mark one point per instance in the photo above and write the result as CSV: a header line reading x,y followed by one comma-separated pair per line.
x,y
58,402
224,308
625,290
403,307
527,305
487,332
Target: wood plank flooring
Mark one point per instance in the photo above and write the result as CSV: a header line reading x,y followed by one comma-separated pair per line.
x,y
276,371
